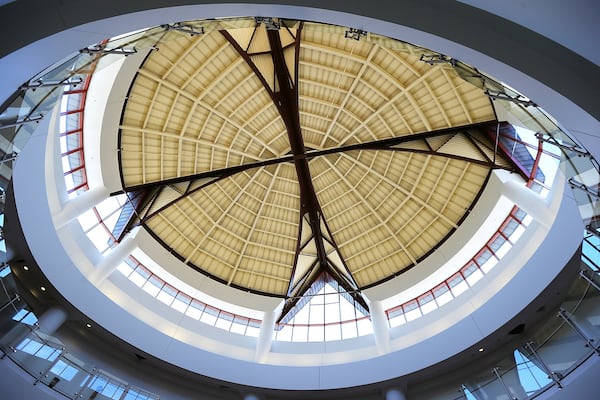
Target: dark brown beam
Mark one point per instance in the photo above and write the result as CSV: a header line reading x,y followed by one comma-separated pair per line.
x,y
217,173
384,144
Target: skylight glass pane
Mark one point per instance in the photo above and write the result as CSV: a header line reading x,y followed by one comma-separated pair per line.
x,y
107,207
30,319
252,331
482,257
195,309
63,144
166,296
99,237
62,125
66,166
88,219
5,271
153,286
138,278
489,264
516,235
411,310
300,333
19,315
474,277
457,285
125,269
334,331
505,248
237,327
364,327
284,334
181,302
349,330
427,303
224,324
316,333
209,316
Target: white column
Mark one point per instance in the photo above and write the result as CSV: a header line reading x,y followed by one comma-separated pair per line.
x,y
78,205
381,329
528,200
52,319
395,394
265,336
111,261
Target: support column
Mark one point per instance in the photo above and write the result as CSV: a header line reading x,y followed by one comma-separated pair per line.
x,y
265,336
112,260
52,319
531,202
395,394
381,329
78,205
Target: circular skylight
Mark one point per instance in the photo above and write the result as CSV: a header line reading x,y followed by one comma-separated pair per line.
x,y
270,154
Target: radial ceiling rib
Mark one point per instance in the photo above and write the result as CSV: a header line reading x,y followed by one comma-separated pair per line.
x,y
403,92
252,229
381,221
355,82
207,107
224,214
409,194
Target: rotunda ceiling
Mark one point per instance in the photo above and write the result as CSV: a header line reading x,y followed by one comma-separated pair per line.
x,y
271,153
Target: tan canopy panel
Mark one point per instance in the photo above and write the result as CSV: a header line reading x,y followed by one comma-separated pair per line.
x,y
266,152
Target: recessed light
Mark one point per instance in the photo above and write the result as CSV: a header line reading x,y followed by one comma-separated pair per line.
x,y
25,267
88,325
43,288
481,349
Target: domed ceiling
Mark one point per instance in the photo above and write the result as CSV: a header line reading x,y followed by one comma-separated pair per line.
x,y
269,154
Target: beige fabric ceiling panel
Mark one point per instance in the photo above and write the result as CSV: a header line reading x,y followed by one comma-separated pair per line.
x,y
203,130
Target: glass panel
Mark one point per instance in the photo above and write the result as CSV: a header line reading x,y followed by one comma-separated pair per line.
x,y
181,302
153,286
68,375
396,316
427,303
531,376
195,309
35,353
442,294
411,310
284,333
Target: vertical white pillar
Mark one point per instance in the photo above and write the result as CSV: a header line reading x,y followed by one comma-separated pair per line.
x,y
531,202
52,319
78,205
111,261
395,394
265,336
381,329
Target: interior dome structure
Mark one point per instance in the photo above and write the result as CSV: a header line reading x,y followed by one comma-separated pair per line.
x,y
285,205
